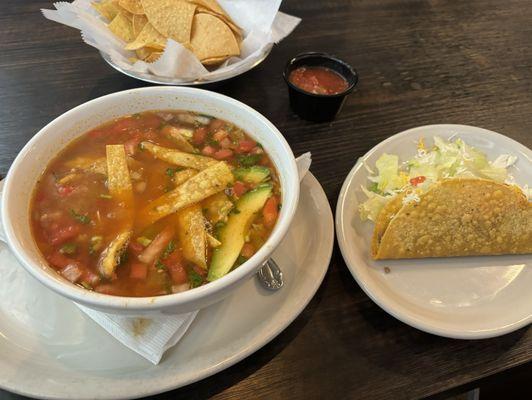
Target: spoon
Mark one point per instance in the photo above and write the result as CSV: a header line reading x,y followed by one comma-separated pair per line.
x,y
270,275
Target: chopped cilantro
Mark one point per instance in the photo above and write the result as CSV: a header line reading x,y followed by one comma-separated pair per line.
x,y
160,266
69,248
84,219
248,160
86,285
172,171
212,142
194,278
236,211
169,248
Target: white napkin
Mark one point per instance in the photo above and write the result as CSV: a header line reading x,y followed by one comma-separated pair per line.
x,y
260,20
151,337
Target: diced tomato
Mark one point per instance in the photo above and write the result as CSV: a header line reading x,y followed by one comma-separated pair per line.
x,y
216,124
270,211
59,260
138,271
208,151
226,143
247,250
132,145
91,278
245,146
200,271
239,188
199,136
64,190
150,121
417,180
136,248
61,235
220,135
178,273
223,154
126,124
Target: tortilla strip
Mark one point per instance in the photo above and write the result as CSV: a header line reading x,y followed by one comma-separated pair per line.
x,y
181,177
217,207
210,181
192,235
460,217
179,158
118,179
110,257
95,165
176,135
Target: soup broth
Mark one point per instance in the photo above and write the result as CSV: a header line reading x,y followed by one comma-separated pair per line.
x,y
155,203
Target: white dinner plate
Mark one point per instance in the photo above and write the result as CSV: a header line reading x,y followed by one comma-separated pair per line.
x,y
461,297
50,349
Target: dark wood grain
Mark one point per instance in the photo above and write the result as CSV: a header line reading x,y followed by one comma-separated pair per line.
x,y
420,62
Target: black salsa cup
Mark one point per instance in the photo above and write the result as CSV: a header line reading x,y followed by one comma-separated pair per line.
x,y
318,107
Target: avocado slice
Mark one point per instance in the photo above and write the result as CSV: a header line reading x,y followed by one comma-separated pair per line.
x,y
232,234
255,174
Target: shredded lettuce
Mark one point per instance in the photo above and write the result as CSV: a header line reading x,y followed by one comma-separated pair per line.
x,y
446,159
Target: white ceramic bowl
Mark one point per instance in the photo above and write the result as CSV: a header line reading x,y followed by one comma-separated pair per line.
x,y
32,160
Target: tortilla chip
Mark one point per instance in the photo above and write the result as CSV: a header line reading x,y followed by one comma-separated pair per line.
x,y
154,56
107,8
111,256
212,38
211,5
460,217
214,60
234,27
138,22
133,6
172,18
148,37
121,26
144,52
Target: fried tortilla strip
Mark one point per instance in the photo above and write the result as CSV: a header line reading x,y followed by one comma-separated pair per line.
x,y
461,217
192,235
210,181
177,135
110,257
217,207
118,179
179,158
181,177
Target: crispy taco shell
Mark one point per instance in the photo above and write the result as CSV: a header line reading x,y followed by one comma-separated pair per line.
x,y
456,217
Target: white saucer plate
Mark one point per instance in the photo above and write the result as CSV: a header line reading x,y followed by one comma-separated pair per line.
x,y
49,349
462,297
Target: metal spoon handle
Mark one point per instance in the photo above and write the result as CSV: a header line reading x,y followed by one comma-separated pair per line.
x,y
270,275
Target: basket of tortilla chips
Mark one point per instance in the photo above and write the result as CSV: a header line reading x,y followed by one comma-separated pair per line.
x,y
185,40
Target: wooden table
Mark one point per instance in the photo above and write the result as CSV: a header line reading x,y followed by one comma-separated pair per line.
x,y
420,62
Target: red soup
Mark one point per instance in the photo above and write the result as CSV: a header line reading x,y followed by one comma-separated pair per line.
x,y
318,80
155,203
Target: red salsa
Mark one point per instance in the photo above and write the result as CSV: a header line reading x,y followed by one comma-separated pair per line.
x,y
318,80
